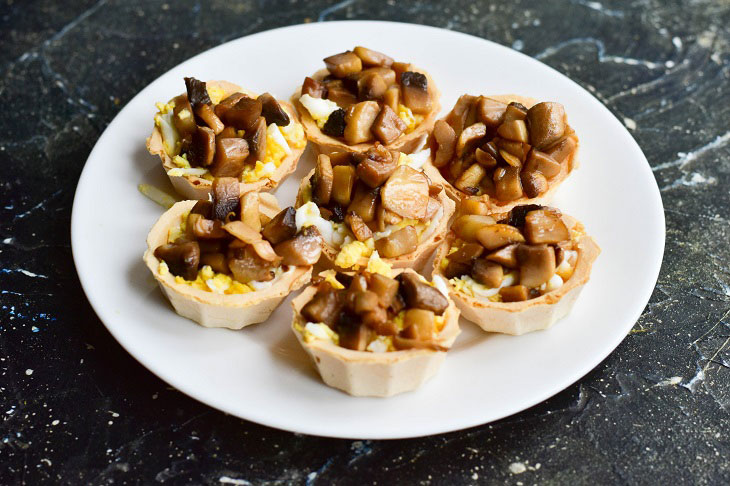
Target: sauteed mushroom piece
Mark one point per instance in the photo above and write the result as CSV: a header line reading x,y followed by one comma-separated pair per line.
x,y
445,137
469,180
490,112
497,235
256,137
313,88
487,273
250,210
514,293
365,203
359,122
470,136
467,226
304,249
358,226
388,126
335,124
533,183
547,123
507,256
421,295
202,147
272,111
507,183
325,306
545,226
244,114
281,227
371,86
537,264
322,181
247,266
225,105
226,192
181,258
418,324
415,92
343,180
406,192
376,166
340,65
543,163
370,57
398,243
230,154
391,97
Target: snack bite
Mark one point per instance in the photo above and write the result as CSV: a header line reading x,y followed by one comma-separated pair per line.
x,y
515,272
218,129
230,262
373,203
502,151
365,96
375,333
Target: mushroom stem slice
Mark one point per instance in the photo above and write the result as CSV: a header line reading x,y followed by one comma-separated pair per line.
x,y
398,243
498,235
406,192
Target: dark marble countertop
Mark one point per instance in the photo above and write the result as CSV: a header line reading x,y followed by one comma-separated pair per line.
x,y
76,408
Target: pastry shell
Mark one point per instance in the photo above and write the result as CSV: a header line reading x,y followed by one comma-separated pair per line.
x,y
494,205
363,373
415,260
530,315
209,309
405,143
194,187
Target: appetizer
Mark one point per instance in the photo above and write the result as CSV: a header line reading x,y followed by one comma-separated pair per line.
x,y
516,272
370,334
230,262
376,201
363,96
502,150
218,129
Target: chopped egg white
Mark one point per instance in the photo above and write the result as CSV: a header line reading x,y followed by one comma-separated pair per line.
x,y
554,283
190,171
274,132
415,160
278,274
440,284
163,120
379,344
469,286
308,215
320,109
319,330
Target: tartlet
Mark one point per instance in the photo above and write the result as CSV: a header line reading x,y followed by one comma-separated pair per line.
x,y
231,271
363,96
515,272
502,151
387,352
266,138
398,213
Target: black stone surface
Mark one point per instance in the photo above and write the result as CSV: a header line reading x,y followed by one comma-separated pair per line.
x,y
76,408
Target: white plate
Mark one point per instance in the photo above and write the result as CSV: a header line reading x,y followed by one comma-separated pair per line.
x,y
260,373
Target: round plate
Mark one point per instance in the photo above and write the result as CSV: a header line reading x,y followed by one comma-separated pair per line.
x,y
261,373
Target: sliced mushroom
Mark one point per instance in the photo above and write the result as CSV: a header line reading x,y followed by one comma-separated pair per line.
x,y
342,158
445,137
543,163
388,126
469,137
226,191
511,160
256,138
340,65
487,273
485,159
242,231
515,111
313,88
355,336
197,95
302,250
230,154
272,111
371,86
228,132
244,114
391,97
518,149
398,243
264,250
414,87
467,226
545,226
226,104
250,211
182,117
216,261
182,258
474,206
533,183
547,123
203,228
385,288
467,253
400,68
358,226
370,57
343,180
322,181
376,166
508,186
325,306
561,149
281,227
420,295
208,116
202,147
517,214
463,114
498,235
406,192
387,74
514,293
337,92
490,112
457,269
365,203
418,324
246,266
365,301
537,264
359,122
469,180
506,256
513,130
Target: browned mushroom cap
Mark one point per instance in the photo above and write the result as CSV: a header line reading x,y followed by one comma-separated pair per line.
x,y
415,92
343,180
385,288
418,324
471,135
370,57
537,264
302,250
391,97
182,258
545,226
244,114
226,192
487,273
358,226
375,166
406,192
508,186
547,123
359,122
463,113
421,295
272,111
543,163
322,181
226,104
313,88
230,153
514,293
281,227
247,266
256,138
340,65
371,86
445,138
497,235
197,95
204,208
202,147
507,256
335,124
490,112
364,202
469,180
467,226
325,306
388,126
398,243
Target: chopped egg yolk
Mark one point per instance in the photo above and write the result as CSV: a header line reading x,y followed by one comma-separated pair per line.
x,y
163,121
330,276
216,93
313,331
219,283
411,120
351,253
378,265
319,109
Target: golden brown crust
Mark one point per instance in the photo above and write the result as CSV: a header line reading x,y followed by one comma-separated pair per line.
x,y
211,309
405,143
530,315
494,205
194,187
415,260
363,373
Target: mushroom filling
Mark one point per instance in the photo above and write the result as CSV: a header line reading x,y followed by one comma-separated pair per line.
x,y
367,96
375,201
208,134
371,311
525,255
504,151
227,246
